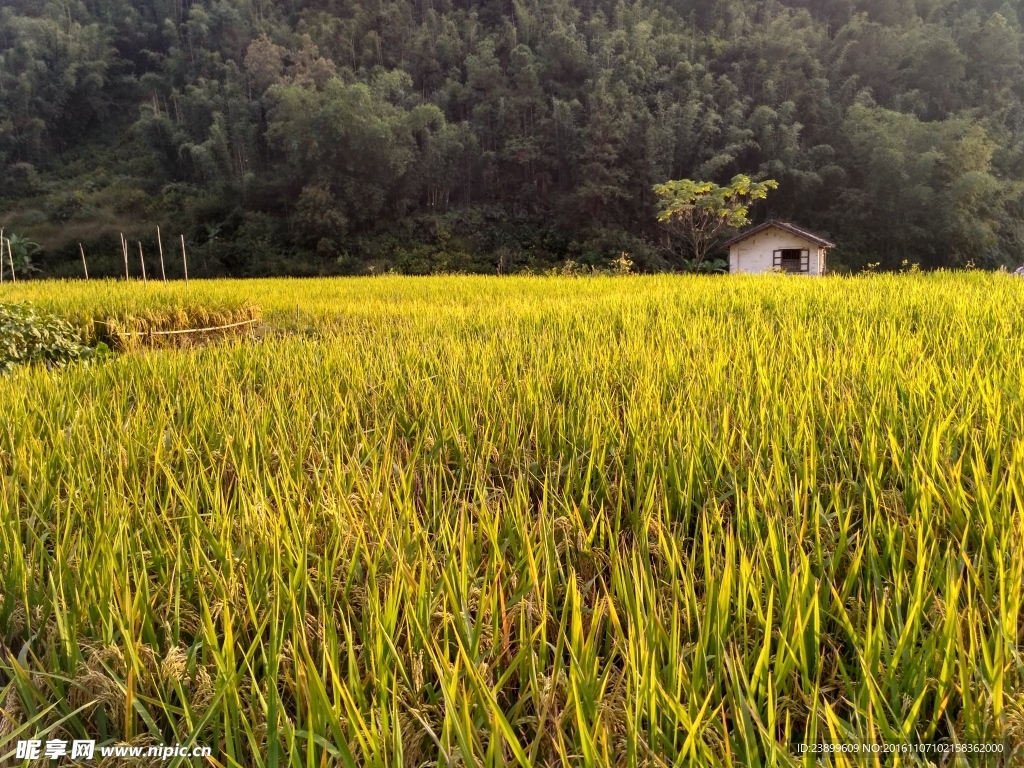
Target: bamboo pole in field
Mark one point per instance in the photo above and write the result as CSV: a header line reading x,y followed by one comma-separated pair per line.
x,y
10,258
85,268
160,245
124,252
1,256
184,259
142,261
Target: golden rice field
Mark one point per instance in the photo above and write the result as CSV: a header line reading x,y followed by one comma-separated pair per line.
x,y
640,521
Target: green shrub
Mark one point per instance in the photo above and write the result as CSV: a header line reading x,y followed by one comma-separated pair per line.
x,y
64,207
22,180
27,336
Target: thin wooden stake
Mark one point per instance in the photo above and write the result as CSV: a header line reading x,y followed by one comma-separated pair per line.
x,y
184,260
142,261
160,244
124,252
1,256
10,257
85,268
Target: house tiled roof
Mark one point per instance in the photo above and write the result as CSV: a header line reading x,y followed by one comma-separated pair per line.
x,y
785,227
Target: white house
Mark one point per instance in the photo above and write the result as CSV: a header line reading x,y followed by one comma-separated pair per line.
x,y
778,245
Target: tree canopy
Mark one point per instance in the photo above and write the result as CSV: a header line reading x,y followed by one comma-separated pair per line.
x,y
352,136
701,210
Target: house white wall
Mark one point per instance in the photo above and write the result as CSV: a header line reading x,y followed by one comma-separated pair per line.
x,y
755,254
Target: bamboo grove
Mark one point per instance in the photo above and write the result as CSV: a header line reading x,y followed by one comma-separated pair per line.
x,y
315,137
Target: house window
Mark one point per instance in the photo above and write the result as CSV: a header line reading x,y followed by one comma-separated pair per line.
x,y
792,260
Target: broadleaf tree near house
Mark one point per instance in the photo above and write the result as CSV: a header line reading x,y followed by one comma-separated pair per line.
x,y
700,212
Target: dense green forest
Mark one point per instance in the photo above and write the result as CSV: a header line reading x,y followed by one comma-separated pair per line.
x,y
355,136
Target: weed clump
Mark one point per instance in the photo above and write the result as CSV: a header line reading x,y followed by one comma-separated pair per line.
x,y
30,336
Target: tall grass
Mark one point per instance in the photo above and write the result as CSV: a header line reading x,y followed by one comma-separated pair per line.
x,y
642,521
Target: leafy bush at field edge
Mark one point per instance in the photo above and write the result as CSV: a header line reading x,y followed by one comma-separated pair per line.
x,y
28,336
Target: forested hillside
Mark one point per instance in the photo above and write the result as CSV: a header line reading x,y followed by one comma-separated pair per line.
x,y
349,136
